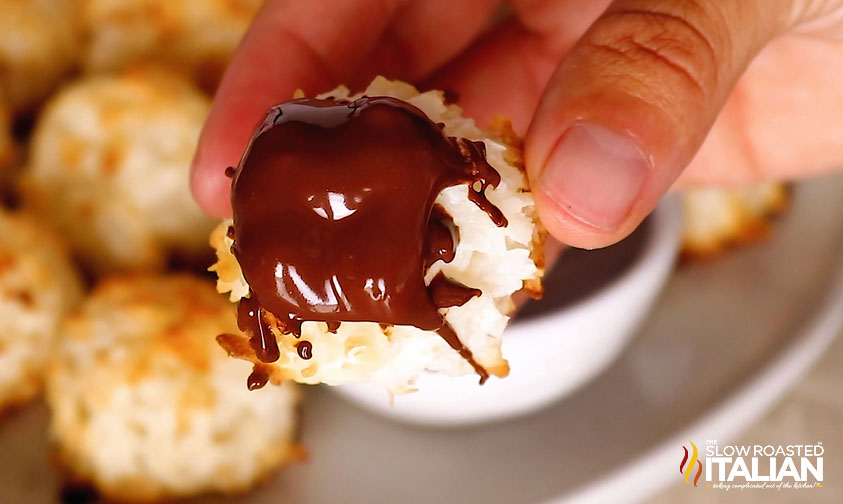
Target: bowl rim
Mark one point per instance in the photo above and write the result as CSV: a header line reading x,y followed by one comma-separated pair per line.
x,y
661,245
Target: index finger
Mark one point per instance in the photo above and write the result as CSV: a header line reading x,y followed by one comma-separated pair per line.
x,y
285,49
314,46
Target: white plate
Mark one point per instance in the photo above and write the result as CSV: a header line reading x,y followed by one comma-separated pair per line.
x,y
722,344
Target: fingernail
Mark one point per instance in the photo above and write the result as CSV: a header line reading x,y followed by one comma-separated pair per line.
x,y
595,175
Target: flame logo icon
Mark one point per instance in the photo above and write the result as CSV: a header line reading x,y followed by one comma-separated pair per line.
x,y
689,468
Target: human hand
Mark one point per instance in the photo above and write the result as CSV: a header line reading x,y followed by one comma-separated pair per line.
x,y
616,102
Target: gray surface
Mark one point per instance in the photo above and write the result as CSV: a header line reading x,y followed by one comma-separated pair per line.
x,y
714,325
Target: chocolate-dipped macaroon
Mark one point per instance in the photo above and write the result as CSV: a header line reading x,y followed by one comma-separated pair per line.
x,y
376,236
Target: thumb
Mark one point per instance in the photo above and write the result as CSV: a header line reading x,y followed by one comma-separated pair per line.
x,y
631,103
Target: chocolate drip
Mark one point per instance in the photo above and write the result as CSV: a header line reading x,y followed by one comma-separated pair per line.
x,y
335,220
479,199
258,378
291,326
304,349
230,171
441,241
251,320
452,339
333,325
477,190
447,293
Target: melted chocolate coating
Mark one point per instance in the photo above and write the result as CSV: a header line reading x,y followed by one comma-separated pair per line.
x,y
334,218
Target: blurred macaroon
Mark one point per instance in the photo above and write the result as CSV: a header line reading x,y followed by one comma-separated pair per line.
x,y
198,35
146,407
715,219
109,164
39,44
38,286
8,149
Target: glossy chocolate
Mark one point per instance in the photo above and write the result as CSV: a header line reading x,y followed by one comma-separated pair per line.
x,y
258,378
304,349
334,218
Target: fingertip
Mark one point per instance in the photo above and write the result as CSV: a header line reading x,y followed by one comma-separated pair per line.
x,y
572,231
594,174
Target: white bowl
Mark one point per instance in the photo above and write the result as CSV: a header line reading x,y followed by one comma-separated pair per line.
x,y
550,355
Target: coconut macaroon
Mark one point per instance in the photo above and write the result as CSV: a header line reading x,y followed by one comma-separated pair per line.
x,y
145,405
492,260
199,35
714,219
109,164
39,44
38,286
